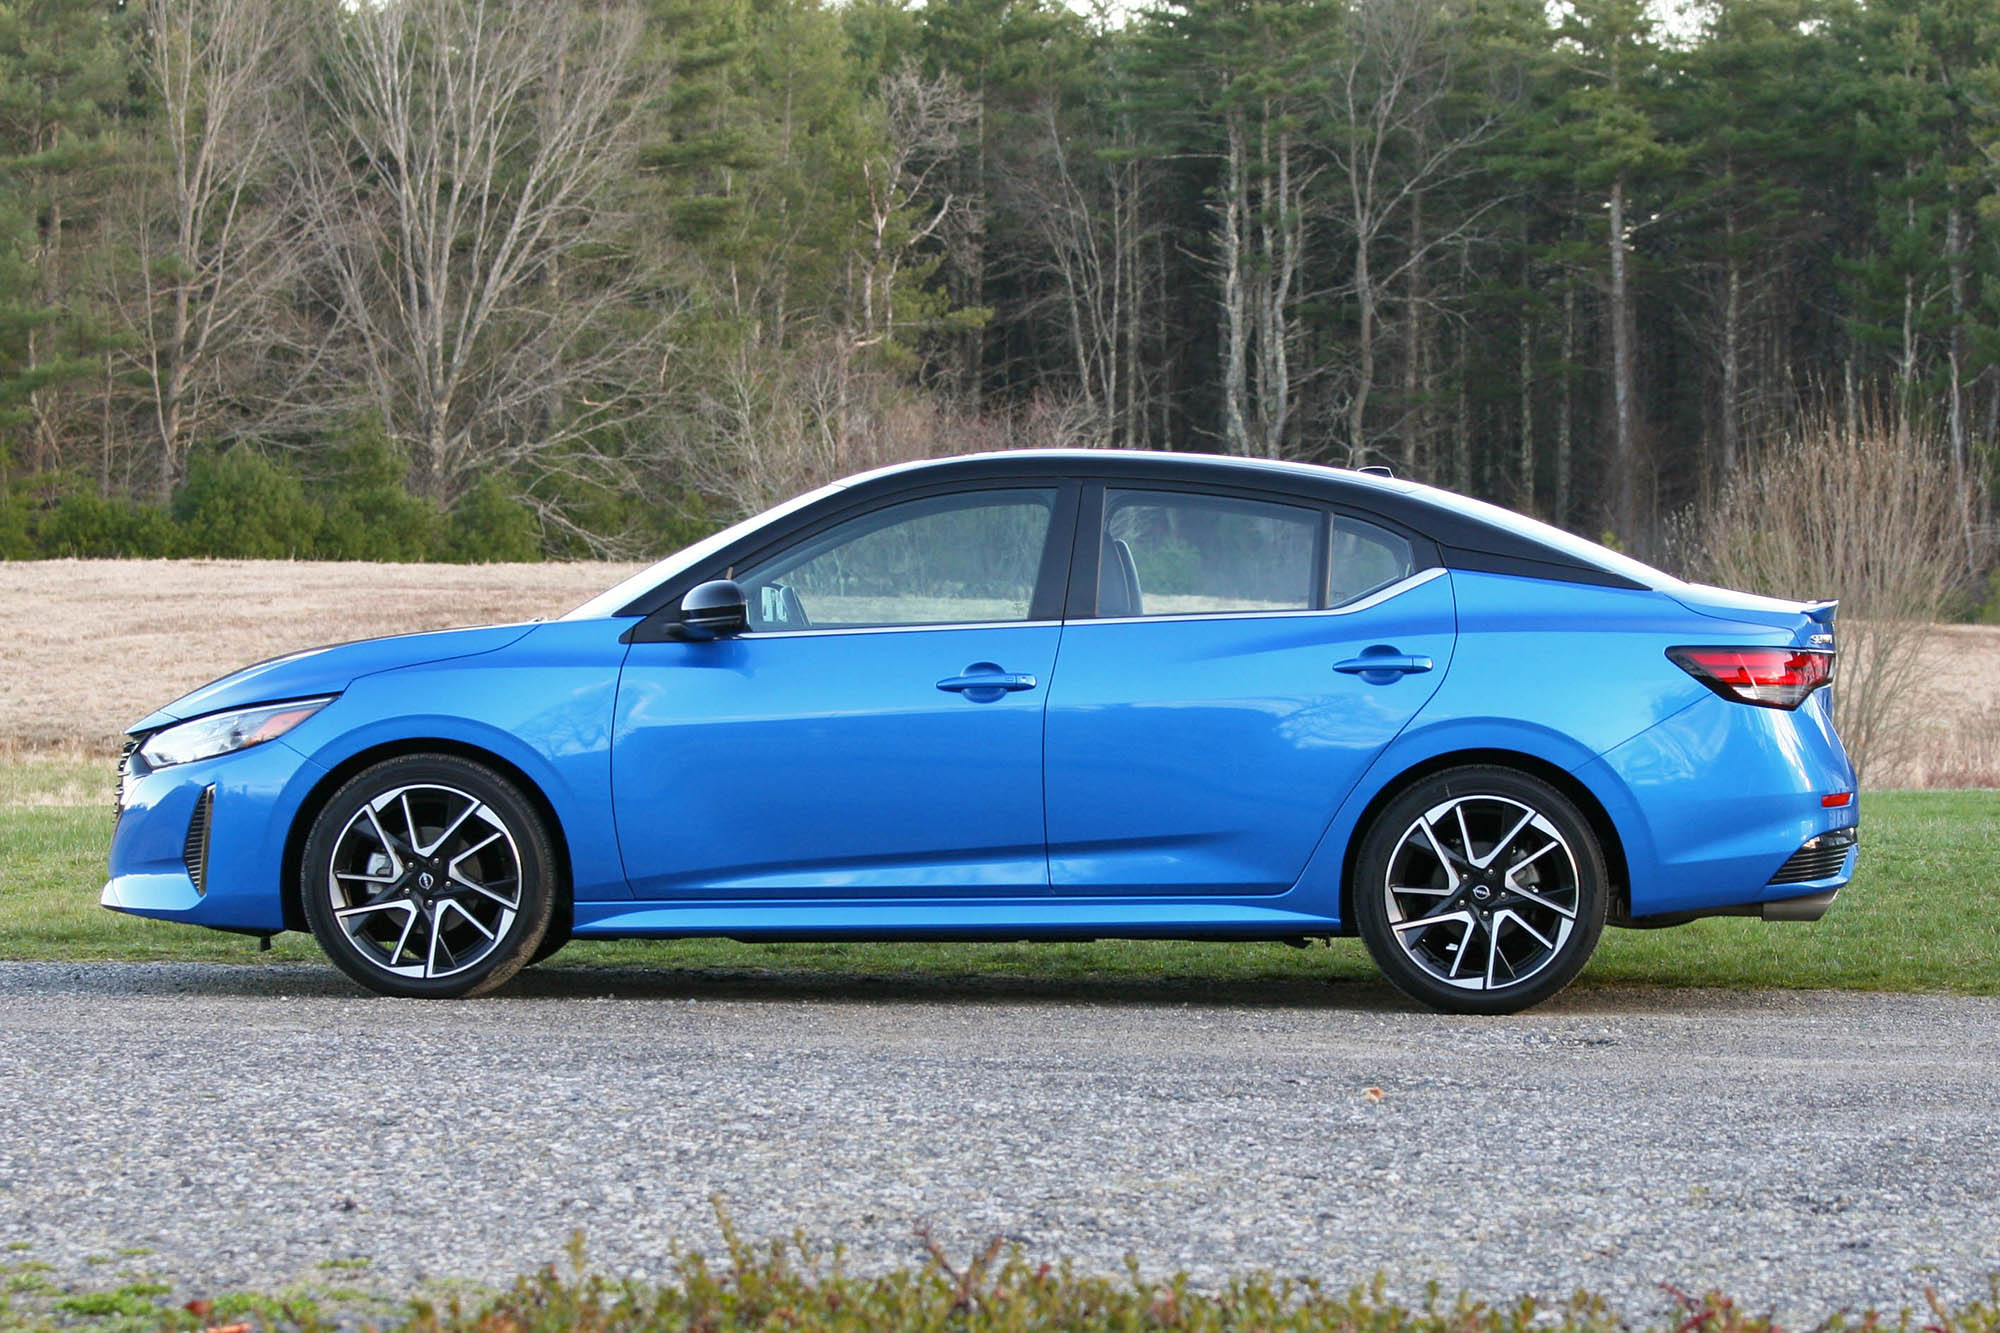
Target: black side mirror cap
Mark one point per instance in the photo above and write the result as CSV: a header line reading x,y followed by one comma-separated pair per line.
x,y
714,610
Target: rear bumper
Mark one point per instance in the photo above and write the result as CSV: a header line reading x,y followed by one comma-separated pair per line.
x,y
1807,907
1727,813
1811,907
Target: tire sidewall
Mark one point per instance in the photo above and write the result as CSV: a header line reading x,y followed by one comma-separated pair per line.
x,y
1371,914
531,840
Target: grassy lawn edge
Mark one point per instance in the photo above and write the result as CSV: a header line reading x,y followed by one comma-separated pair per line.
x,y
1915,919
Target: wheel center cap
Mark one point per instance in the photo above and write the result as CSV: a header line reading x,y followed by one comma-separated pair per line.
x,y
1479,891
424,881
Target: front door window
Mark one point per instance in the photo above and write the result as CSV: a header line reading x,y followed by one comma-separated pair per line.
x,y
968,559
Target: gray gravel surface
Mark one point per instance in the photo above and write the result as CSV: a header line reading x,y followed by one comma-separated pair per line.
x,y
1803,1151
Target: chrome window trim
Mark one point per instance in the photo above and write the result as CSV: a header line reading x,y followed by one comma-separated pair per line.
x,y
1376,598
891,629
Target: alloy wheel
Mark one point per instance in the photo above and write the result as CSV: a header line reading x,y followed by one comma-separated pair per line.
x,y
1482,892
425,881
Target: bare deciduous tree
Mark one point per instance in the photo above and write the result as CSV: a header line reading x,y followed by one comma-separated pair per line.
x,y
215,251
1091,216
1880,533
923,118
460,214
1393,145
770,425
1261,248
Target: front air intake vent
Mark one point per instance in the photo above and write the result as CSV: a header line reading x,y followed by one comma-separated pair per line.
x,y
194,848
124,770
1818,858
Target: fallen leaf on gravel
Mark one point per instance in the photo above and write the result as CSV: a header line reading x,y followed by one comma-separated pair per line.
x,y
1372,1094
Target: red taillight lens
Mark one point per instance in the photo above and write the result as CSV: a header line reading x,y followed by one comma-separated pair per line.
x,y
1772,677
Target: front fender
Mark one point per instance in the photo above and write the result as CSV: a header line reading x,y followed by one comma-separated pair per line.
x,y
543,705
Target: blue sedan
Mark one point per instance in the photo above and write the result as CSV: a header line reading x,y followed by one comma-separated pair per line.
x,y
1041,695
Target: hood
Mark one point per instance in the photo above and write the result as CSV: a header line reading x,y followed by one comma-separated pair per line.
x,y
329,670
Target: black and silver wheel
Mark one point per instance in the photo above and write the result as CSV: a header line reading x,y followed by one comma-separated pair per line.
x,y
429,875
1480,891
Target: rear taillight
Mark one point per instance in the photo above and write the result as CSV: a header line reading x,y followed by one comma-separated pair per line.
x,y
1771,677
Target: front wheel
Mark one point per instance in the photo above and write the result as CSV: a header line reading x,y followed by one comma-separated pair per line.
x,y
429,876
1480,891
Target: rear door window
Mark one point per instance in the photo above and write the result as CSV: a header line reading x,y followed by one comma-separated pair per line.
x,y
1170,553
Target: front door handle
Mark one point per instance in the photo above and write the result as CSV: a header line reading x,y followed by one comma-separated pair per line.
x,y
1382,665
983,682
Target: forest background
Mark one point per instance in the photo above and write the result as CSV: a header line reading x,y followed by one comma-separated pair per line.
x,y
506,279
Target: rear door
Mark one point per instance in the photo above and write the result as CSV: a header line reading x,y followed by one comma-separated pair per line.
x,y
1245,659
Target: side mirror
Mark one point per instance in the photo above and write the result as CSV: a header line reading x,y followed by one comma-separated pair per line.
x,y
714,610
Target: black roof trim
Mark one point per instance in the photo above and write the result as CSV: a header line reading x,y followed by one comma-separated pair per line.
x,y
1561,569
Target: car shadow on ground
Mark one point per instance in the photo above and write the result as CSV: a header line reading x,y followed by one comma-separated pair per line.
x,y
946,988
294,980
973,988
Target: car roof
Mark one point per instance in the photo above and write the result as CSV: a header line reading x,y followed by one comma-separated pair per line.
x,y
1470,534
1087,461
1463,526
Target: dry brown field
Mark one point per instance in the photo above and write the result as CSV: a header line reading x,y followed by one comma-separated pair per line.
x,y
89,646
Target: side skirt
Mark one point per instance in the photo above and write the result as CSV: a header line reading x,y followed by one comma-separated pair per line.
x,y
1070,919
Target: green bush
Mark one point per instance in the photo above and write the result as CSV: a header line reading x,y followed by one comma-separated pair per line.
x,y
16,541
89,527
370,514
356,505
242,505
789,1287
490,526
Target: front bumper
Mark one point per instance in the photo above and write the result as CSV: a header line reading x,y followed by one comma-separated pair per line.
x,y
223,820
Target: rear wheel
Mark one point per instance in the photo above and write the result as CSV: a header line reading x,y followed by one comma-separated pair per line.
x,y
429,875
1480,891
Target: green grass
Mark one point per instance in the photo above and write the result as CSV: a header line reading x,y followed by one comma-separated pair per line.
x,y
1921,915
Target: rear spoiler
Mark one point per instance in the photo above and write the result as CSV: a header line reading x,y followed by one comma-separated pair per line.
x,y
1823,611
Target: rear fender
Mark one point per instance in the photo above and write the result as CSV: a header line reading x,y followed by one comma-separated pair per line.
x,y
1537,750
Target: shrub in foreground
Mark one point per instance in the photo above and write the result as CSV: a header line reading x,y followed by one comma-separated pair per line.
x,y
784,1286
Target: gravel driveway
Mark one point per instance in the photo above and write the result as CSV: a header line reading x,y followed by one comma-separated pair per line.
x,y
246,1125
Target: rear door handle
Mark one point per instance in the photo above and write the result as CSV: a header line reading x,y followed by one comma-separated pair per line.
x,y
983,682
1381,667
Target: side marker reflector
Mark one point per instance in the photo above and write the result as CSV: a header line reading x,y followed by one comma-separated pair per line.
x,y
1836,800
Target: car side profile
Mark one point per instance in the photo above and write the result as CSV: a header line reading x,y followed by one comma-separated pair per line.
x,y
1047,695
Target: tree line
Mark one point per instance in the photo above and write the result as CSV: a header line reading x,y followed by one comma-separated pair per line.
x,y
593,277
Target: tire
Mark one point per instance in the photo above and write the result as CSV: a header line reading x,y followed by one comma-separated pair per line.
x,y
553,940
1508,871
429,876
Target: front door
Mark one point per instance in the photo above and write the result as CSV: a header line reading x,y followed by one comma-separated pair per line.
x,y
876,733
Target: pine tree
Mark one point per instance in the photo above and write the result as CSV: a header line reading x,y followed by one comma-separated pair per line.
x,y
64,85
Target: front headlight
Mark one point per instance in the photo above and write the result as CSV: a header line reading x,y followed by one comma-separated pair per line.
x,y
220,733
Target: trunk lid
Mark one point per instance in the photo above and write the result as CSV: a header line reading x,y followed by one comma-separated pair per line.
x,y
1811,623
